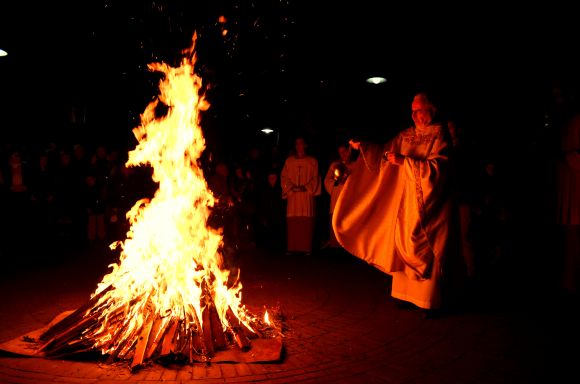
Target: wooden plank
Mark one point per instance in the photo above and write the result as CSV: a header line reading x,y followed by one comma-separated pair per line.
x,y
157,333
126,345
52,347
73,318
217,329
232,319
141,346
206,331
168,345
241,339
197,345
238,332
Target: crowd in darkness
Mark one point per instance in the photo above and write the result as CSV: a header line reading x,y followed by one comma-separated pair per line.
x,y
52,195
55,195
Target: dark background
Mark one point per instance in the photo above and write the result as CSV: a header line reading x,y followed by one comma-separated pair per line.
x,y
78,71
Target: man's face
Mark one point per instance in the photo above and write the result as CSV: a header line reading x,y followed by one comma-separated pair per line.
x,y
272,179
300,145
422,116
422,110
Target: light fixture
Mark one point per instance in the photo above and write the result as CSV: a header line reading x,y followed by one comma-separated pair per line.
x,y
267,131
376,80
3,52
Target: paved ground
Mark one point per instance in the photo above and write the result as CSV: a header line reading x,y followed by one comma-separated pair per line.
x,y
342,325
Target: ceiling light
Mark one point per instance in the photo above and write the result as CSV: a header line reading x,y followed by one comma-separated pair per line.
x,y
376,80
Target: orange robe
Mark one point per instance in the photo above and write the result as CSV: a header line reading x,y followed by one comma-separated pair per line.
x,y
398,217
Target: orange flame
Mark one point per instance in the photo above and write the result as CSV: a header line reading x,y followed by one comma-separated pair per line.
x,y
170,257
267,318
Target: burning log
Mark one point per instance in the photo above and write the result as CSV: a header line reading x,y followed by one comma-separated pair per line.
x,y
73,318
157,337
239,331
217,331
142,345
168,344
158,333
207,332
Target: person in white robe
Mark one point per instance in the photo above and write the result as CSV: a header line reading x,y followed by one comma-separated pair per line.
x,y
301,184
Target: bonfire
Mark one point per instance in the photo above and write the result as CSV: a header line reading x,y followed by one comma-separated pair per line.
x,y
169,296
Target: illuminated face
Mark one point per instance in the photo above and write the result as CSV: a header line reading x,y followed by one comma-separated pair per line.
x,y
422,111
272,179
300,145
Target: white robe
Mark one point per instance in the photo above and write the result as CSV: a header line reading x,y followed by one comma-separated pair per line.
x,y
300,171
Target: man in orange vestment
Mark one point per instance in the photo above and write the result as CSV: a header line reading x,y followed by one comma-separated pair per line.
x,y
396,210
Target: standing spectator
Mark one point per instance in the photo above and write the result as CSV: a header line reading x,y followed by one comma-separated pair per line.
x,y
17,178
271,212
95,208
301,184
67,197
222,213
122,192
466,179
568,202
43,199
242,189
81,167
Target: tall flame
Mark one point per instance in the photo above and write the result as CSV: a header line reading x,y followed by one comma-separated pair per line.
x,y
170,259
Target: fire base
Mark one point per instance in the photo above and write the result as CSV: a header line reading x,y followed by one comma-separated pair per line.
x,y
261,350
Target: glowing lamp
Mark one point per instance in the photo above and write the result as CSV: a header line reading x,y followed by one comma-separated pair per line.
x,y
376,80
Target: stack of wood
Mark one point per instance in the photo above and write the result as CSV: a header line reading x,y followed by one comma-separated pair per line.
x,y
181,338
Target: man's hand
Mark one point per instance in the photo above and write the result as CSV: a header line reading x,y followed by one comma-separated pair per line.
x,y
354,144
394,158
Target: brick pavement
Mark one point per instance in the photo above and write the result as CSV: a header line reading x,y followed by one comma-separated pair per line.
x,y
342,327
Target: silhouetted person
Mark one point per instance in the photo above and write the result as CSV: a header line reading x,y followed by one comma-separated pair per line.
x,y
271,212
568,201
43,200
17,176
